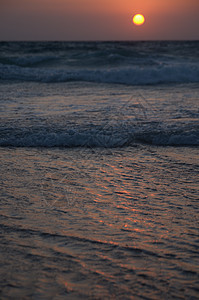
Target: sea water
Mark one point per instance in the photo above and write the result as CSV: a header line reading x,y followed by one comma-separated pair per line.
x,y
99,170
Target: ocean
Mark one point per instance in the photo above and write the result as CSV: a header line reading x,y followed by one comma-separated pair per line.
x,y
99,170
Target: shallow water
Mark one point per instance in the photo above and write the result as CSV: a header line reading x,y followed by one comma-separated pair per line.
x,y
113,225
99,182
98,115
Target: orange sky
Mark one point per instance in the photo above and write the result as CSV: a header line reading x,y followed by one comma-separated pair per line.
x,y
98,19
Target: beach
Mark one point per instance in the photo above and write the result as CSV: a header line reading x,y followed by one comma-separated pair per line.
x,y
99,170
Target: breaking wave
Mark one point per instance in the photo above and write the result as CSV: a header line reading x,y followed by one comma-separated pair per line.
x,y
136,75
99,138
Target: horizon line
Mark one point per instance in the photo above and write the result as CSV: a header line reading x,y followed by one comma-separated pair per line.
x,y
101,41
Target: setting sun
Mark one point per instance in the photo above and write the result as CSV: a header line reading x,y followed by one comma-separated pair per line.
x,y
138,19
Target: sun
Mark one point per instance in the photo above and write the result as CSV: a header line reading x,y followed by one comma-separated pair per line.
x,y
138,19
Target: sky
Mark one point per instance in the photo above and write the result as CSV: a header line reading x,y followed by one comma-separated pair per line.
x,y
78,20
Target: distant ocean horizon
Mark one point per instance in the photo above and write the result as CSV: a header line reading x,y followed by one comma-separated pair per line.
x,y
99,169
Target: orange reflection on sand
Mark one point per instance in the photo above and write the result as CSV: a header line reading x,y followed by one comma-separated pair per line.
x,y
103,274
121,191
127,208
152,195
68,286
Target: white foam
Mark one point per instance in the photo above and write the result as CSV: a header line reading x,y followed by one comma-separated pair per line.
x,y
96,138
176,73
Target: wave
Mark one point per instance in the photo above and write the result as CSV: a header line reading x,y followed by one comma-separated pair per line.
x,y
100,138
25,61
135,75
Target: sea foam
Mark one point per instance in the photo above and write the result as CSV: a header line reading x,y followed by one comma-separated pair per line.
x,y
134,75
100,138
